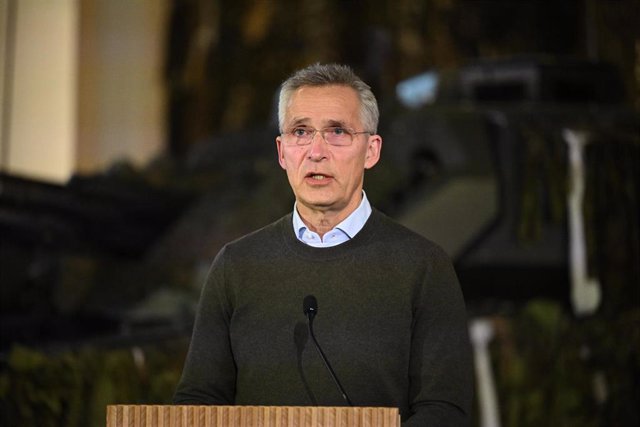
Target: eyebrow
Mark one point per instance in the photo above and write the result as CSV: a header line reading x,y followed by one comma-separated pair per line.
x,y
299,121
329,123
337,123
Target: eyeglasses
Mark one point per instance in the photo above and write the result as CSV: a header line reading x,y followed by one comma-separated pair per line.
x,y
334,135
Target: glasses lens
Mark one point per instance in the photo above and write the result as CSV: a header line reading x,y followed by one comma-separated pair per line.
x,y
337,136
332,135
298,136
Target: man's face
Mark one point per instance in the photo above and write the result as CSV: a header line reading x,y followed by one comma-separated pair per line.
x,y
324,177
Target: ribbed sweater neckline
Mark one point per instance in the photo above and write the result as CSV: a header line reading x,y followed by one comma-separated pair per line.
x,y
301,250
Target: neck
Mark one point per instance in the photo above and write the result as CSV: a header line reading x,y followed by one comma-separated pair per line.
x,y
322,221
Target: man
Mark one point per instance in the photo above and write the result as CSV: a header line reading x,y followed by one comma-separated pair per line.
x,y
391,318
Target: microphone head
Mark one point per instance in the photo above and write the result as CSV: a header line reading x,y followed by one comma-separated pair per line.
x,y
310,305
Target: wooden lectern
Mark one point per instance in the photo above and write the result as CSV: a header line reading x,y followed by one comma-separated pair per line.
x,y
249,416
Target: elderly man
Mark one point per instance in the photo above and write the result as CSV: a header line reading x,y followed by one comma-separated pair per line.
x,y
391,316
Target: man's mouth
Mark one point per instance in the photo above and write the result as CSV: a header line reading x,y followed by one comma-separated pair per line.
x,y
319,177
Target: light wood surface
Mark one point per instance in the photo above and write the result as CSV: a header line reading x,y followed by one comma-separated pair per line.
x,y
249,416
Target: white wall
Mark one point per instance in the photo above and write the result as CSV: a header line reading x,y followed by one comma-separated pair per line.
x,y
39,99
86,87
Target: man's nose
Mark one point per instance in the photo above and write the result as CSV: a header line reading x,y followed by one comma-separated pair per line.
x,y
318,147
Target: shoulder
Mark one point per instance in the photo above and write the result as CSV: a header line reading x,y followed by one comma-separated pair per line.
x,y
261,240
390,232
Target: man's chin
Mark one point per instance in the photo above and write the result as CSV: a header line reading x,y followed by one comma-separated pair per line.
x,y
318,203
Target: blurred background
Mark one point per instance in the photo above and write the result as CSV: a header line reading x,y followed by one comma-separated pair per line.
x,y
137,137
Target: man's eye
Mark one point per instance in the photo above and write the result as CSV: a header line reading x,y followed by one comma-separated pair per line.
x,y
339,131
299,132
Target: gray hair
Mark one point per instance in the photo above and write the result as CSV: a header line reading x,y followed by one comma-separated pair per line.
x,y
326,75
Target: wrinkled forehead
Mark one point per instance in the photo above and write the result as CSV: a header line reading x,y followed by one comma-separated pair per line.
x,y
324,106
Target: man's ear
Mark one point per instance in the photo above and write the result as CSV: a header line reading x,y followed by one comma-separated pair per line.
x,y
280,152
374,147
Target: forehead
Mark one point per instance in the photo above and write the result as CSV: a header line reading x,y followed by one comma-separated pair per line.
x,y
321,105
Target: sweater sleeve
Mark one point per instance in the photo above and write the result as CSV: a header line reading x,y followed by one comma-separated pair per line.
x,y
441,372
209,374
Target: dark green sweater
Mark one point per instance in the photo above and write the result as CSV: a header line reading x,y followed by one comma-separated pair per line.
x,y
391,320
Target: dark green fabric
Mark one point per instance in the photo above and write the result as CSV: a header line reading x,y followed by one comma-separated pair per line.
x,y
391,320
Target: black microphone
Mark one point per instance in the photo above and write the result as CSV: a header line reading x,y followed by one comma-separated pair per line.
x,y
310,309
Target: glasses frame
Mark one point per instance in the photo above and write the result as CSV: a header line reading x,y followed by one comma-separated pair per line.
x,y
298,141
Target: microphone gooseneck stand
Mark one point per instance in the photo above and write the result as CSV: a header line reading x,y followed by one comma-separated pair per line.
x,y
310,309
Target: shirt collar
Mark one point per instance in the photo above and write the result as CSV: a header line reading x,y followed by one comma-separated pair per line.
x,y
350,226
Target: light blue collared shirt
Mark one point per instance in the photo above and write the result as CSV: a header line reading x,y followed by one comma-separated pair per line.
x,y
342,232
